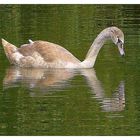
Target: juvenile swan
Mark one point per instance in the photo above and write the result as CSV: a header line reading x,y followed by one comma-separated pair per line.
x,y
43,54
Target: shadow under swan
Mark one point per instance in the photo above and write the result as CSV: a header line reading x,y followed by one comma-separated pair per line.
x,y
57,79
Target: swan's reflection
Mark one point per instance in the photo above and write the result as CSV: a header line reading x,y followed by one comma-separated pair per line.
x,y
48,79
43,79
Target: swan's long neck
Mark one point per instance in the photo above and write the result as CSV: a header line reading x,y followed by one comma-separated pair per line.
x,y
95,48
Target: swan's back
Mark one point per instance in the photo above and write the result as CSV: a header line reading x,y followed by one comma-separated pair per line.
x,y
49,51
50,54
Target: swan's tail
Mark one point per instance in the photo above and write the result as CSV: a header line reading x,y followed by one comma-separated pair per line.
x,y
9,49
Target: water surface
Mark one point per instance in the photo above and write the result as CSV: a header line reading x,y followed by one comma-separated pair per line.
x,y
103,100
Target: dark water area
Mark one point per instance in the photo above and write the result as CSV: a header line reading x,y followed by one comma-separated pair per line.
x,y
100,101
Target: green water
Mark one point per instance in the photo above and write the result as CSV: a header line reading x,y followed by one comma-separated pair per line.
x,y
100,101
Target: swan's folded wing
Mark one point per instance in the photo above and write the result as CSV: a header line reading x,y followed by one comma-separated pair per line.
x,y
53,52
50,52
26,50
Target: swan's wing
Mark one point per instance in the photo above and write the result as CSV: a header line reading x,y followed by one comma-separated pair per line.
x,y
53,52
26,49
50,52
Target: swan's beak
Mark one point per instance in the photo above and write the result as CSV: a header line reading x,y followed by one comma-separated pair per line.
x,y
121,49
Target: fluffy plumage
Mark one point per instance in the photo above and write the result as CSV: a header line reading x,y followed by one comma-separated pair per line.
x,y
49,55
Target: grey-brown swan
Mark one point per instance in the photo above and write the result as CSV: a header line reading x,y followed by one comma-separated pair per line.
x,y
43,54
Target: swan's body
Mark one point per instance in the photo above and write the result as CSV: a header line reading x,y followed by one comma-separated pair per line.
x,y
49,55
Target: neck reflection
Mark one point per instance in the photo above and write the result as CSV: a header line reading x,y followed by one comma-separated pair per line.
x,y
114,103
47,80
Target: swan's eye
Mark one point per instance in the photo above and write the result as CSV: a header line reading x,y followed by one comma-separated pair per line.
x,y
119,42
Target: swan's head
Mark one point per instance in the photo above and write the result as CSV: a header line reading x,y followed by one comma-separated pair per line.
x,y
117,37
